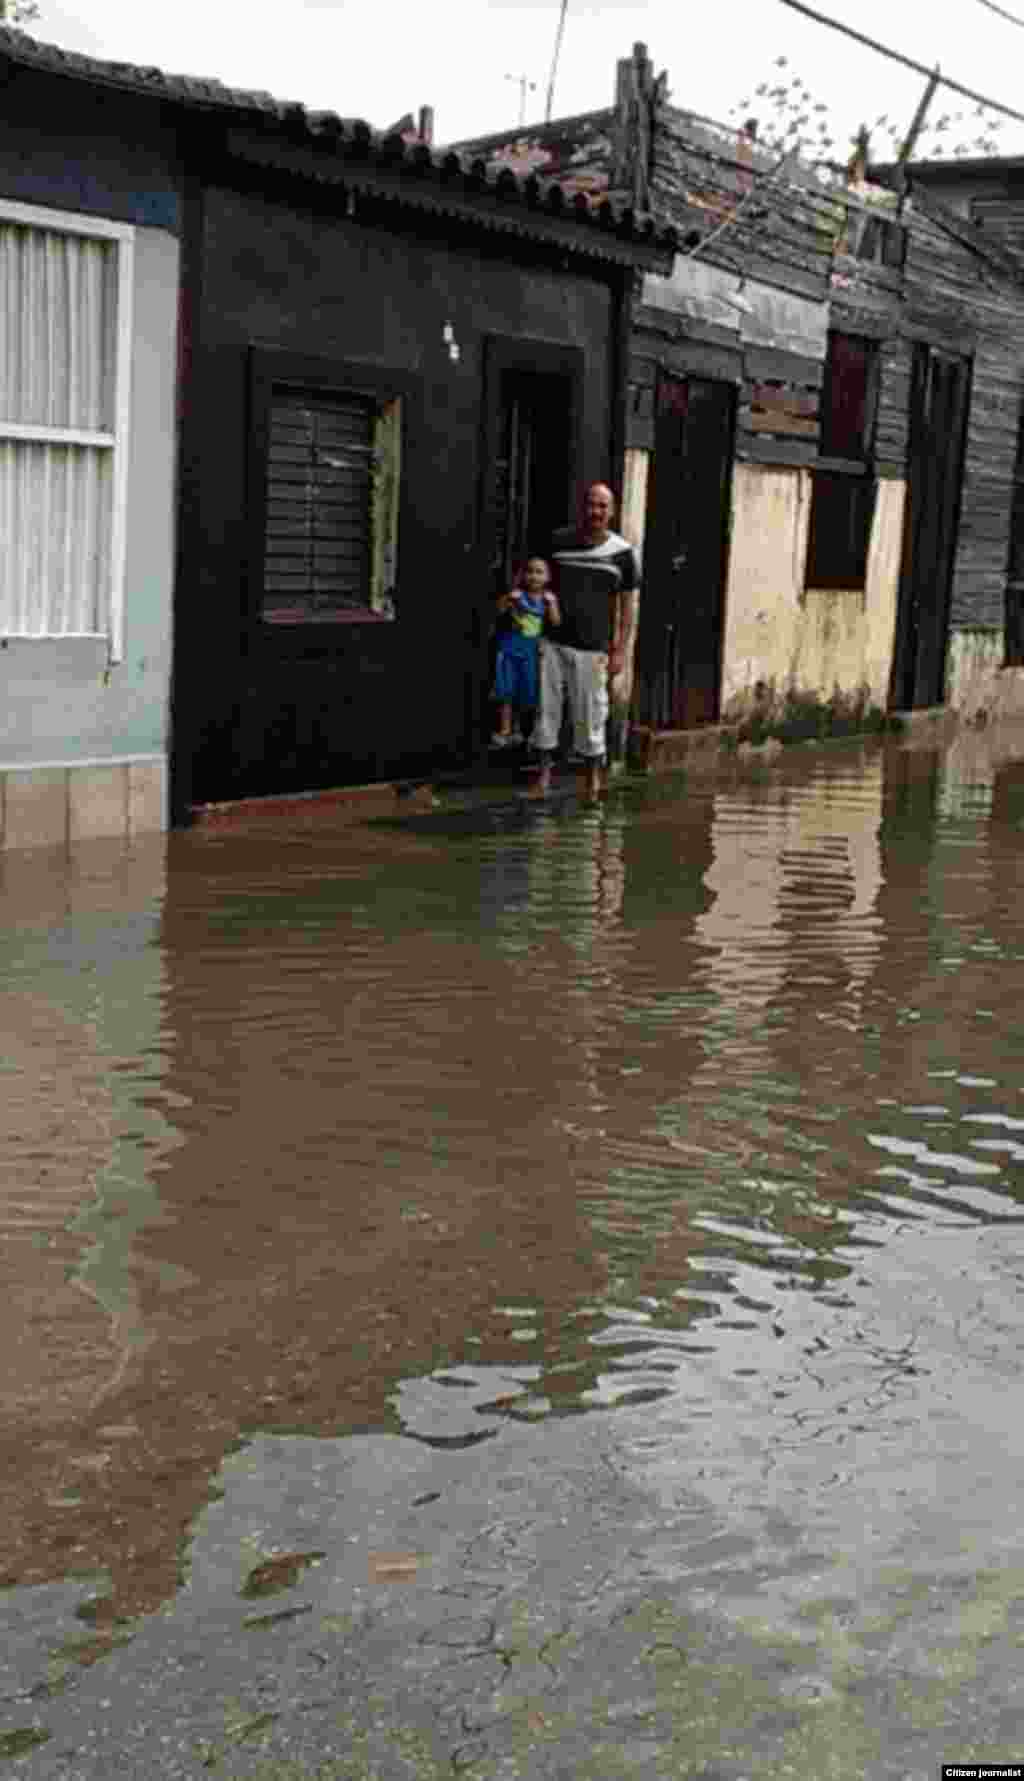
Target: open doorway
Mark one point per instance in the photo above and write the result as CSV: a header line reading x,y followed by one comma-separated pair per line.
x,y
533,486
532,409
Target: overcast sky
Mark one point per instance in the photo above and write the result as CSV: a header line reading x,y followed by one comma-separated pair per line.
x,y
379,58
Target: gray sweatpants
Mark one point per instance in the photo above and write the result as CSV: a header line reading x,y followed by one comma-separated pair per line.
x,y
582,674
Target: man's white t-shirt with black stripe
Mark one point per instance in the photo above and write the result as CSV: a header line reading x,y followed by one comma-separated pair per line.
x,y
586,576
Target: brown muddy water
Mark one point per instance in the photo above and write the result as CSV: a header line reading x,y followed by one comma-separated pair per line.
x,y
695,1120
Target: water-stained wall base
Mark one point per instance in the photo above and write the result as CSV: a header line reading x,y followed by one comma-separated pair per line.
x,y
784,640
978,687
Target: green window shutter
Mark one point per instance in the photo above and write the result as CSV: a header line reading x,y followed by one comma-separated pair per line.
x,y
387,473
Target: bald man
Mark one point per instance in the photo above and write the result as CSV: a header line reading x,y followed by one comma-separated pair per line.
x,y
593,570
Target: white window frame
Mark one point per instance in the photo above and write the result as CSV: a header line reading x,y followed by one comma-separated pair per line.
x,y
65,222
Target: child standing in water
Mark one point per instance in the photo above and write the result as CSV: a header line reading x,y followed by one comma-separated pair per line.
x,y
521,616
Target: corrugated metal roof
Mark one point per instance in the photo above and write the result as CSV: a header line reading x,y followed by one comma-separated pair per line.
x,y
538,201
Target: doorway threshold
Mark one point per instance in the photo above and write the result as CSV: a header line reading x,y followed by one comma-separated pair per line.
x,y
358,802
659,751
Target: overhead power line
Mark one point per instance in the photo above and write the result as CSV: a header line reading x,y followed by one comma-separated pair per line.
x,y
906,61
1003,14
762,182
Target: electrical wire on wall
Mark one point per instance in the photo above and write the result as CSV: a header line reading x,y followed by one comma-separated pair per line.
x,y
758,189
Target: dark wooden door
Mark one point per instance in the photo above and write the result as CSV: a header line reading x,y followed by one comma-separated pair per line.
x,y
939,396
679,644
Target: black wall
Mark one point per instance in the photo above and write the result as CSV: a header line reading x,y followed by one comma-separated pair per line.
x,y
74,146
257,711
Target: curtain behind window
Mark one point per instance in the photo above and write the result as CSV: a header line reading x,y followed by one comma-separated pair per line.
x,y
58,340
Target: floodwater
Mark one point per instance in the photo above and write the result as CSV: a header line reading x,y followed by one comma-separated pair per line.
x,y
683,1136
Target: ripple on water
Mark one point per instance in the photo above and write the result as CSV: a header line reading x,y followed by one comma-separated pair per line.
x,y
684,1104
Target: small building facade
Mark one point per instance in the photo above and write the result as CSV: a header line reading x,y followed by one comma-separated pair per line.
x,y
89,239
283,400
400,371
986,195
821,429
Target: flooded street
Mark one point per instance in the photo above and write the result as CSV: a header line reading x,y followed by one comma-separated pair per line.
x,y
583,1246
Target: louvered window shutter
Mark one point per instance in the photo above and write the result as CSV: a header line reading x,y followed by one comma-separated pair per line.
x,y
322,475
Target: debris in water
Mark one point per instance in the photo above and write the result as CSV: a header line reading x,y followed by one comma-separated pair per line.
x,y
279,1573
393,1567
17,1743
260,1622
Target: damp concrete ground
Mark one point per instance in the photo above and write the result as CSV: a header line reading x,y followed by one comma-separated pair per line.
x,y
523,1607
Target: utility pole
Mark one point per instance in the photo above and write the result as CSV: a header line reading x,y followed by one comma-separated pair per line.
x,y
917,124
525,85
559,34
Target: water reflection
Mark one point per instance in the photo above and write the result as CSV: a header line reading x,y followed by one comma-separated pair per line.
x,y
705,1101
81,983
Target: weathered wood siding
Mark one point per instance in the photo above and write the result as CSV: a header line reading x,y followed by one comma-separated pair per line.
x,y
954,291
901,275
1001,215
961,300
786,232
781,241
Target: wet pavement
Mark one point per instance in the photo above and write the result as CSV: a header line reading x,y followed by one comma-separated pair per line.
x,y
522,1292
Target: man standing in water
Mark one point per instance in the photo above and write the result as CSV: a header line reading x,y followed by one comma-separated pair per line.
x,y
594,569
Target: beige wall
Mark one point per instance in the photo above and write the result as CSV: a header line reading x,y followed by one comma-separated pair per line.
x,y
976,681
56,804
632,522
795,640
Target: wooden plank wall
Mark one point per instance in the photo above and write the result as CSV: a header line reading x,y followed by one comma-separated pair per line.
x,y
810,242
780,394
957,299
784,239
1002,216
786,233
779,391
897,277
680,346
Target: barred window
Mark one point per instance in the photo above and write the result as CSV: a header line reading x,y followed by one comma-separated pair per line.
x,y
65,353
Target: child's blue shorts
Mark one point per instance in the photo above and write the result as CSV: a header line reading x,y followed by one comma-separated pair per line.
x,y
517,673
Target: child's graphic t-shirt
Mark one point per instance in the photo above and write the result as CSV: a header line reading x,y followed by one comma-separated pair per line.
x,y
528,614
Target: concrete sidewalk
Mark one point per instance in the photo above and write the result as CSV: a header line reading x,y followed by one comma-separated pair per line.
x,y
517,1601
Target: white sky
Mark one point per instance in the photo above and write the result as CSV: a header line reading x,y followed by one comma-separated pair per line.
x,y
377,60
